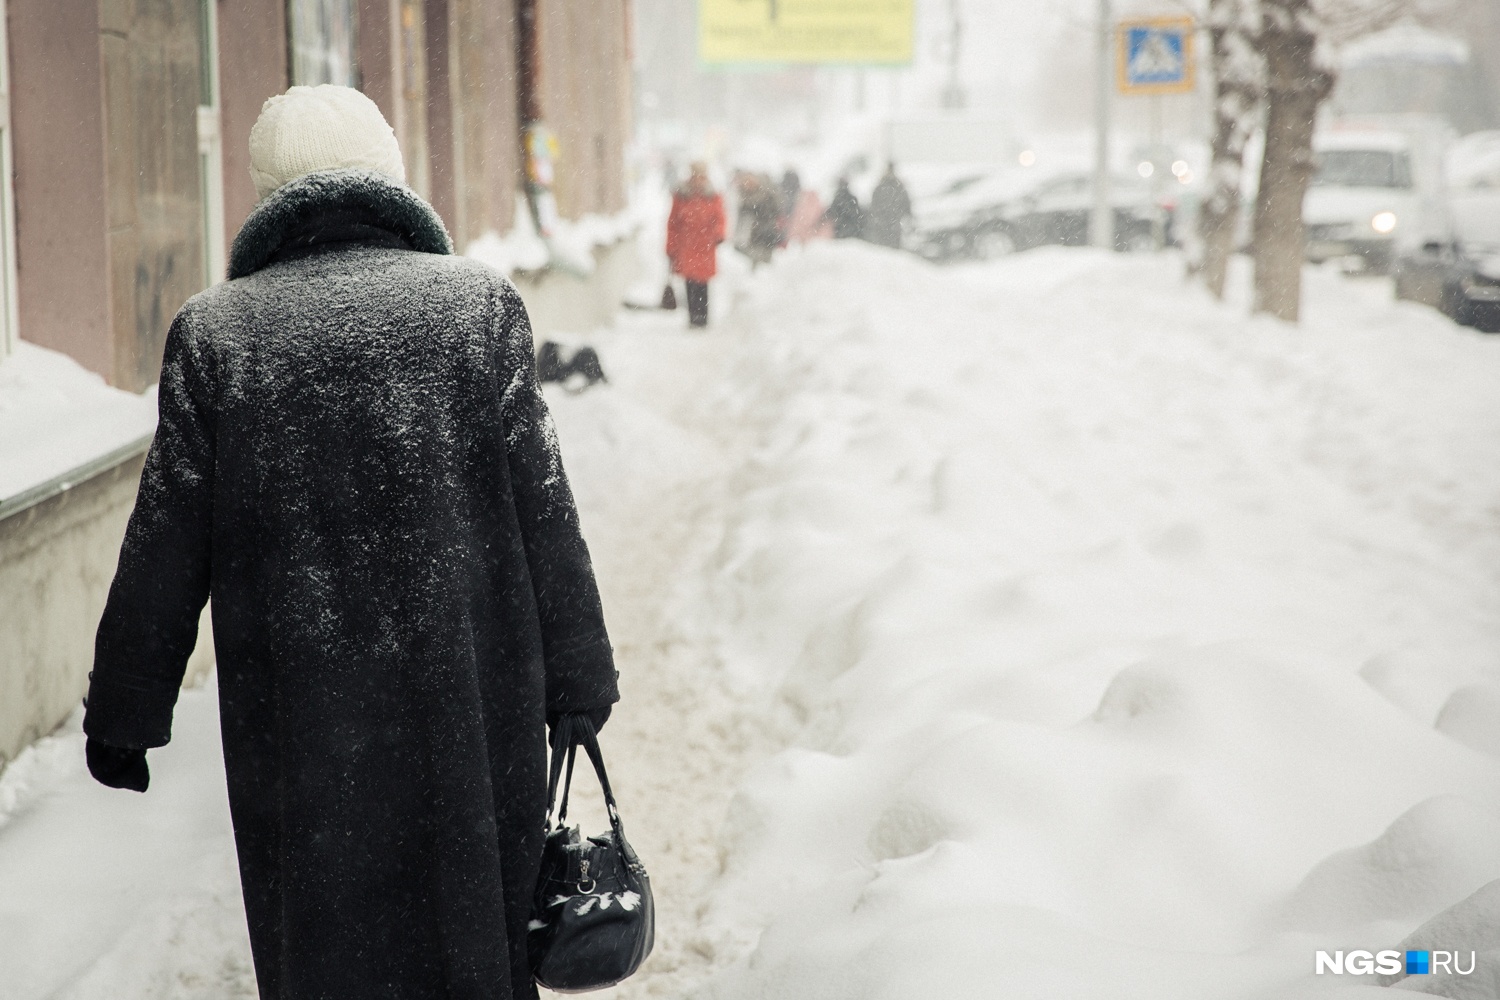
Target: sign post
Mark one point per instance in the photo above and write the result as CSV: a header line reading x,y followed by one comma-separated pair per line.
x,y
1102,217
1154,56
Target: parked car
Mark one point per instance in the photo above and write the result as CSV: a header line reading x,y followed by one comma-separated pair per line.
x,y
1363,197
961,220
1004,213
1459,276
1057,212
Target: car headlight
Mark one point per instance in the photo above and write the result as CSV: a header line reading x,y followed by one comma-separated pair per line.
x,y
1383,222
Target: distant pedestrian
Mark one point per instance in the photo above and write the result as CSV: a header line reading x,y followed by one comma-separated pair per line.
x,y
695,229
758,231
808,222
791,195
355,460
890,207
845,213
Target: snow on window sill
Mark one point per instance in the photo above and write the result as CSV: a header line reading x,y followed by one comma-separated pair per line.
x,y
61,425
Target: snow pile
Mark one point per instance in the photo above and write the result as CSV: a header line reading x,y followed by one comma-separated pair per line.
x,y
570,247
1114,627
56,416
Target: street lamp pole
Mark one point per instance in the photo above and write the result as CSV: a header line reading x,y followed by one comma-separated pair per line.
x,y
1102,218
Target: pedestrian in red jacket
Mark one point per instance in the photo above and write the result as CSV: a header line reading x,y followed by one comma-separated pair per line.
x,y
694,231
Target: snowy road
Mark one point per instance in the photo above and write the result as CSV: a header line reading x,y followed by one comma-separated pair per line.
x,y
1035,629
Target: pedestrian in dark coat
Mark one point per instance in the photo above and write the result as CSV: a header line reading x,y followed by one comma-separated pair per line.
x,y
845,213
890,206
759,230
791,195
695,228
355,460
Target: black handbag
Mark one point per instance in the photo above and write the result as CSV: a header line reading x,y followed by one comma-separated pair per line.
x,y
593,920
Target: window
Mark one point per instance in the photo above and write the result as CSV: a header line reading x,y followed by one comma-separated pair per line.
x,y
1377,168
323,42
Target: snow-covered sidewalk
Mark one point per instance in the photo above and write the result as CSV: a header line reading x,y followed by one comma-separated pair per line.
x,y
1037,629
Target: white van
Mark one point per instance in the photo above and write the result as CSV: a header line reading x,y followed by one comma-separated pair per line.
x,y
1364,198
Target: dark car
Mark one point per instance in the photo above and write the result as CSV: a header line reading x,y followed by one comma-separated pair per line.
x,y
1460,276
1053,212
961,220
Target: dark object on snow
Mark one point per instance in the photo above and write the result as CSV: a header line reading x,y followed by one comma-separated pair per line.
x,y
845,213
551,366
117,767
697,303
594,920
791,190
355,458
668,298
790,193
890,207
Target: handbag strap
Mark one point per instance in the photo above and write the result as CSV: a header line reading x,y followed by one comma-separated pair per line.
x,y
565,747
591,747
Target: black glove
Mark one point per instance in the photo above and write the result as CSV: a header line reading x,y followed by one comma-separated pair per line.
x,y
118,767
598,716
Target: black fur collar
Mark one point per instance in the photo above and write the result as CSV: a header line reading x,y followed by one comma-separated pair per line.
x,y
379,200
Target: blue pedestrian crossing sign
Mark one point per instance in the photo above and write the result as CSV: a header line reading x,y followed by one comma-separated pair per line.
x,y
1155,56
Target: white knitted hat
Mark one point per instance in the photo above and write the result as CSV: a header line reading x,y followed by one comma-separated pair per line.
x,y
320,128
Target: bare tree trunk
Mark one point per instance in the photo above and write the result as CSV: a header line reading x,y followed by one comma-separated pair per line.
x,y
1295,87
1237,91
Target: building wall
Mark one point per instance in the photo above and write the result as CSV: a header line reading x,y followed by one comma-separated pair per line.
x,y
149,51
485,117
410,104
378,71
109,191
56,563
252,69
57,124
441,180
585,96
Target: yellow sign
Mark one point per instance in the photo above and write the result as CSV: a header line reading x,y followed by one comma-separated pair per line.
x,y
851,32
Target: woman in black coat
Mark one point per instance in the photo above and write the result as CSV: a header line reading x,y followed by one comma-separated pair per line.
x,y
846,213
355,460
